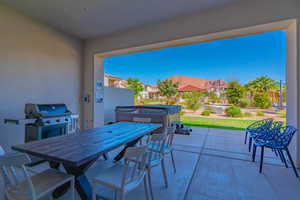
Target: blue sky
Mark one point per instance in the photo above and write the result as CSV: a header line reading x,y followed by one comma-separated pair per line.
x,y
241,58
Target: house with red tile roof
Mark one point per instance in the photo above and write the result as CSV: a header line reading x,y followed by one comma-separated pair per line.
x,y
187,84
114,81
150,91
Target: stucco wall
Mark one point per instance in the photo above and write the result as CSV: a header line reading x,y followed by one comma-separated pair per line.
x,y
37,64
115,97
235,16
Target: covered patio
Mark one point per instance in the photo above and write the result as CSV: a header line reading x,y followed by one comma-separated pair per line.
x,y
52,52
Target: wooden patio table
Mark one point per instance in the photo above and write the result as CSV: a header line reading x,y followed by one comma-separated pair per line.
x,y
77,152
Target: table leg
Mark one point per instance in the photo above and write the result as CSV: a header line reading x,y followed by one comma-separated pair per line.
x,y
82,184
129,144
60,191
54,165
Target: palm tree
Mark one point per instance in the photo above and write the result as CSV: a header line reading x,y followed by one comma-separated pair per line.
x,y
261,84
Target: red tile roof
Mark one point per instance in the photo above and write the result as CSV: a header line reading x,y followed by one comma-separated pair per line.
x,y
112,77
199,83
152,85
189,88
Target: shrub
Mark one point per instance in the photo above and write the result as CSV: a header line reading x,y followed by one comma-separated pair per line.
x,y
260,114
233,111
219,101
248,114
262,100
206,112
193,100
208,108
281,114
244,103
170,101
208,102
181,113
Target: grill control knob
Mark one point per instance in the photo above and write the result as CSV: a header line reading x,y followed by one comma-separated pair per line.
x,y
48,121
66,119
57,120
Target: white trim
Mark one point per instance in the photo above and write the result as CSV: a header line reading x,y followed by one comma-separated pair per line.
x,y
281,25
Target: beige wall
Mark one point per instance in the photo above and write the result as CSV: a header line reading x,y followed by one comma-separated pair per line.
x,y
37,64
236,16
116,97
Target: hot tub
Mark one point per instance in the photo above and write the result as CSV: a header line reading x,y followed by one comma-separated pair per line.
x,y
164,114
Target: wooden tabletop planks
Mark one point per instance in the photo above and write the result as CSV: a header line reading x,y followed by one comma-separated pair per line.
x,y
77,149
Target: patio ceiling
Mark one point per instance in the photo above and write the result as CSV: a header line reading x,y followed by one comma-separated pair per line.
x,y
87,19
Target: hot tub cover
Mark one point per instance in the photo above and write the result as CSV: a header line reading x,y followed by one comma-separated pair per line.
x,y
169,109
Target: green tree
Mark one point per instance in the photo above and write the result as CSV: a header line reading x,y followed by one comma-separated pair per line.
x,y
167,89
259,90
235,92
262,100
261,84
136,85
192,100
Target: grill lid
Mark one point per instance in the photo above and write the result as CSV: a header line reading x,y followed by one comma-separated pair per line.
x,y
45,110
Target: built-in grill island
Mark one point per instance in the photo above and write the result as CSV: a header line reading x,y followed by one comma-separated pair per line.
x,y
50,120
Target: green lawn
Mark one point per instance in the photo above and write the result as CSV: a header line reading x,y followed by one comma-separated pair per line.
x,y
233,124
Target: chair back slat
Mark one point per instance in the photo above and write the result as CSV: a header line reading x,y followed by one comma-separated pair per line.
x,y
261,124
17,181
276,125
284,136
135,165
270,132
170,137
156,148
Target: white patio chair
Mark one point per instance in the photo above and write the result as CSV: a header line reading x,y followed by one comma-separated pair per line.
x,y
124,178
168,145
30,169
19,185
168,149
143,120
156,157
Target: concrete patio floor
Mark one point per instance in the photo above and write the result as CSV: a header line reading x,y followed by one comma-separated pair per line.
x,y
214,164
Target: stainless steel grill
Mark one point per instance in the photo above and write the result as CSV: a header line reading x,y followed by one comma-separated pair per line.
x,y
50,120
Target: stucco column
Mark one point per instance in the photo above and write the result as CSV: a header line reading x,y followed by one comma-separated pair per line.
x,y
292,74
